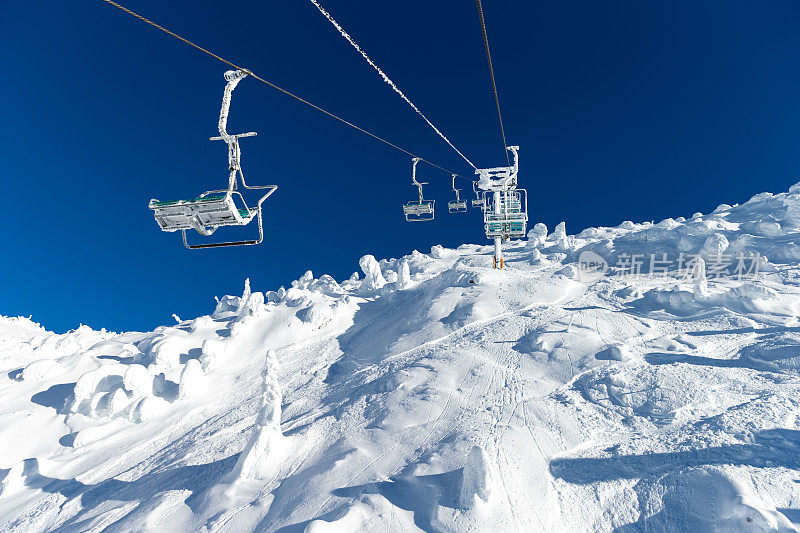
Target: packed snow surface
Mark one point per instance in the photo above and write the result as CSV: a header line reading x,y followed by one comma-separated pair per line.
x,y
637,378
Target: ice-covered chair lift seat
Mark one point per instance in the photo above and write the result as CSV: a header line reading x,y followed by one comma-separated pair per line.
x,y
225,207
425,207
420,210
458,205
206,213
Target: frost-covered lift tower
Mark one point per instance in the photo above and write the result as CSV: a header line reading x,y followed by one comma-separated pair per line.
x,y
214,209
422,209
458,205
505,215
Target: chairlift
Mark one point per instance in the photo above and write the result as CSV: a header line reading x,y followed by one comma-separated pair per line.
x,y
420,210
478,201
509,219
225,207
458,205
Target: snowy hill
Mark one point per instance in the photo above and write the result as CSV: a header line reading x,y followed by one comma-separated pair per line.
x,y
637,378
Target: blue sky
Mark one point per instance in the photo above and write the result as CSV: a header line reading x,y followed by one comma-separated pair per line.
x,y
623,110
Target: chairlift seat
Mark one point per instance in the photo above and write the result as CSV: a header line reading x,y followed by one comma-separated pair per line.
x,y
417,208
457,206
416,211
507,227
204,213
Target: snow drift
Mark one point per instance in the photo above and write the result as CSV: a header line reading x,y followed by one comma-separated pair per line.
x,y
653,386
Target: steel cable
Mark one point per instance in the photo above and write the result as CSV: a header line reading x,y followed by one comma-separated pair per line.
x,y
494,84
386,78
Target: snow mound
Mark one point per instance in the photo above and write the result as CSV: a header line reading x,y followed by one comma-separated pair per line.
x,y
477,479
715,502
615,352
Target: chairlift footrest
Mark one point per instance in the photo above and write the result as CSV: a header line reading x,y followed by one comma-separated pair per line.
x,y
221,244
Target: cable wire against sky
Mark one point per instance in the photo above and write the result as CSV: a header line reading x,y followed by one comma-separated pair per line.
x,y
394,87
494,84
262,80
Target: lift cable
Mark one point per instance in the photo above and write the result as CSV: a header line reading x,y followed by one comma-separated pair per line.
x,y
494,84
284,91
386,79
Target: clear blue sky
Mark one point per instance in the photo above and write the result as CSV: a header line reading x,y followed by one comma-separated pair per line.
x,y
623,110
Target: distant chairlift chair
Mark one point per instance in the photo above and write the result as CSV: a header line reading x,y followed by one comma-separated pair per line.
x,y
458,205
214,209
420,210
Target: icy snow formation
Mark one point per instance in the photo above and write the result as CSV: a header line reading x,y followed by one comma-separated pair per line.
x,y
660,393
373,279
476,483
266,449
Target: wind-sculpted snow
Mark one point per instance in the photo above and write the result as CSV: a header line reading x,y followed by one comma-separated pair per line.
x,y
644,377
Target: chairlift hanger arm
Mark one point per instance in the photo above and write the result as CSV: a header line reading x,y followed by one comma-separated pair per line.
x,y
414,162
233,77
458,196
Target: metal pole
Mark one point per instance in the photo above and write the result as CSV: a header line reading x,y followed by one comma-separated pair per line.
x,y
498,241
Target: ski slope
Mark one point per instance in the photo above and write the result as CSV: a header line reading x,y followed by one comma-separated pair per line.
x,y
433,393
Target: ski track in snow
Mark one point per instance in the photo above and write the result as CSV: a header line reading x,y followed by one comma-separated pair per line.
x,y
614,404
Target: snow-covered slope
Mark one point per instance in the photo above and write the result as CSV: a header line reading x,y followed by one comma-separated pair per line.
x,y
437,394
